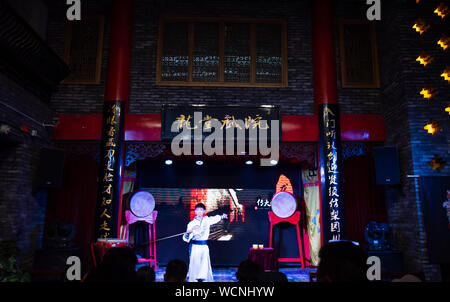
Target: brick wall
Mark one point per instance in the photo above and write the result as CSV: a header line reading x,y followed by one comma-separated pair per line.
x,y
146,97
77,98
354,100
406,113
22,209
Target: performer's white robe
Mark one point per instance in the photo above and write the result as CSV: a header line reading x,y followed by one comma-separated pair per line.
x,y
199,262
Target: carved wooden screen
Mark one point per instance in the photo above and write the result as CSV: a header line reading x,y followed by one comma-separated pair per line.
x,y
174,63
205,57
358,52
222,52
269,60
83,50
237,53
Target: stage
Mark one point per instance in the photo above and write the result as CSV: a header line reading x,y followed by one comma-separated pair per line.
x,y
227,274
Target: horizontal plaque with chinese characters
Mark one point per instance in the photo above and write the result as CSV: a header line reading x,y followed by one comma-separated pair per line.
x,y
232,117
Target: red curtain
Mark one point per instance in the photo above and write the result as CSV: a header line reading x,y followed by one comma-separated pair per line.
x,y
75,200
364,201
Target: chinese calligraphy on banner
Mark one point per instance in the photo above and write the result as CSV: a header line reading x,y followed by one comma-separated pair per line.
x,y
247,118
331,174
110,161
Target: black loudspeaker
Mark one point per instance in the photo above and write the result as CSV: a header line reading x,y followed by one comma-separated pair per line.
x,y
50,169
387,169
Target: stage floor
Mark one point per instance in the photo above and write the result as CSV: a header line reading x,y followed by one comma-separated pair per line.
x,y
227,274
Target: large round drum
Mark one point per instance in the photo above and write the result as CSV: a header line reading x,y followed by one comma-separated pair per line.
x,y
283,204
142,204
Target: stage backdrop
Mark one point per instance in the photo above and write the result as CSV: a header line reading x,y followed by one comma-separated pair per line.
x,y
244,193
215,175
434,199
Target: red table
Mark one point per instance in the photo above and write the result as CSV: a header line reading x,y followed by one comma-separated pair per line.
x,y
99,248
266,257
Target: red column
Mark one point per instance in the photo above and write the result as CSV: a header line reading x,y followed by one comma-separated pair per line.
x,y
119,56
324,58
115,107
327,110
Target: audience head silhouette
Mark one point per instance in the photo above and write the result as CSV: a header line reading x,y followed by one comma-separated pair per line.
x,y
118,264
145,274
176,271
342,261
248,271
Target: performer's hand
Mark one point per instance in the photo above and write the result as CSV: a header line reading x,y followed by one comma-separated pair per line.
x,y
224,216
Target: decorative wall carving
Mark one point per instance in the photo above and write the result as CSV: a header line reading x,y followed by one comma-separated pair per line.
x,y
140,151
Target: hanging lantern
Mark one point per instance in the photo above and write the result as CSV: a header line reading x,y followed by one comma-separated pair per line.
x,y
448,109
428,92
444,41
441,10
432,127
424,59
446,74
420,26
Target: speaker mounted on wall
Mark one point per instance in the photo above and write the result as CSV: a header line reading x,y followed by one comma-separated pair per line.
x,y
387,167
50,169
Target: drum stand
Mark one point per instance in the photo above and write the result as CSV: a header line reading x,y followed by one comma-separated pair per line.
x,y
150,219
294,219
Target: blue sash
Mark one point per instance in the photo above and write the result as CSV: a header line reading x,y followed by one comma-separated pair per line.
x,y
197,242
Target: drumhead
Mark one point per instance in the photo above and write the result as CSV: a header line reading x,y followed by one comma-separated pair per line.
x,y
283,204
142,204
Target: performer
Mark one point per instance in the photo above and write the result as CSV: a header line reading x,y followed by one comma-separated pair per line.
x,y
196,235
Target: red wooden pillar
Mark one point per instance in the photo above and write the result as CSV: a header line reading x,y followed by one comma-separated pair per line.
x,y
324,58
327,110
115,107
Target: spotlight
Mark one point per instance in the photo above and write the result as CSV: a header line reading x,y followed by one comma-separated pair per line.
x,y
249,162
168,162
273,162
199,162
